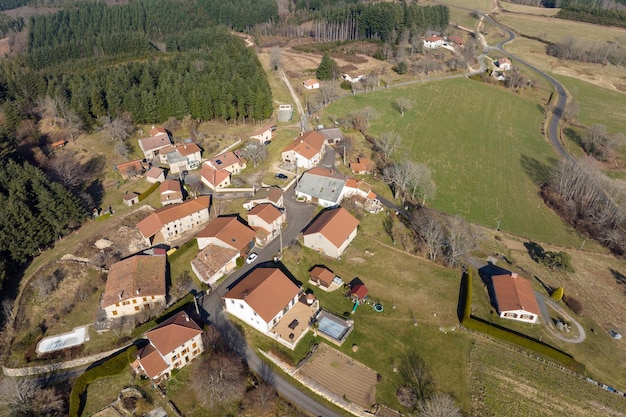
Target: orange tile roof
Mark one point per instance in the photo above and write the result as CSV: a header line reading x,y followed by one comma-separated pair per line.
x,y
183,148
151,361
362,165
214,176
139,275
173,332
308,145
130,196
159,218
266,290
266,212
310,82
334,224
514,293
169,185
433,38
262,129
123,168
154,172
157,130
229,230
225,160
322,273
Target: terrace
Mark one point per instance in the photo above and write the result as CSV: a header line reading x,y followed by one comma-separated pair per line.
x,y
295,323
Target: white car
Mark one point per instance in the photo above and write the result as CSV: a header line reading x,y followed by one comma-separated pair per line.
x,y
251,258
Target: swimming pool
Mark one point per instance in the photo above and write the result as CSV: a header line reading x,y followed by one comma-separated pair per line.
x,y
332,327
63,341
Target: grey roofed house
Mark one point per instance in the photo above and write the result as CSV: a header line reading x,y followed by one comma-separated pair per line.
x,y
322,186
332,135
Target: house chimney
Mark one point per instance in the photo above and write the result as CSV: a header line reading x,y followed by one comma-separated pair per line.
x,y
137,291
513,274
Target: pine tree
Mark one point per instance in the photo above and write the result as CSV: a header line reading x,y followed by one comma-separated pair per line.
x,y
328,68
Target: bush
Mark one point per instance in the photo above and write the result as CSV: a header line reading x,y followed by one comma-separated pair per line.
x,y
346,85
574,304
239,262
401,68
149,191
557,295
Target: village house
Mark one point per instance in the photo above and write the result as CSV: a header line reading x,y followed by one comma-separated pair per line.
x,y
311,84
155,174
321,276
433,42
515,298
272,195
171,345
183,156
331,232
266,219
456,39
229,161
151,146
213,262
321,186
332,135
504,64
130,169
131,198
228,232
362,166
264,133
167,223
135,284
214,178
171,192
306,150
262,298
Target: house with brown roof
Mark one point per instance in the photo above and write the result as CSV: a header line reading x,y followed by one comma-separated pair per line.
x,y
515,298
306,150
155,174
456,39
331,232
267,218
311,84
433,42
181,156
158,140
332,135
262,298
229,161
273,195
167,223
264,133
171,345
171,192
130,169
504,64
213,262
362,166
131,198
228,232
214,178
321,276
134,284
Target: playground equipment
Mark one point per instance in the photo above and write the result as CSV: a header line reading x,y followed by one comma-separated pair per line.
x,y
378,308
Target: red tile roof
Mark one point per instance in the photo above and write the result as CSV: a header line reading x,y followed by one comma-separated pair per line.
x,y
266,290
151,361
336,225
514,293
229,230
125,167
154,172
359,290
173,332
183,148
308,145
211,259
214,176
139,275
310,82
157,131
154,142
362,165
322,273
225,160
266,212
159,218
262,129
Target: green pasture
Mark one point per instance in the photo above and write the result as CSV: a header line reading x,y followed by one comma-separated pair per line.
x,y
484,146
597,105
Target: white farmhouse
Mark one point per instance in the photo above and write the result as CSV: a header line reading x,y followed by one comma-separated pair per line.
x,y
331,232
515,298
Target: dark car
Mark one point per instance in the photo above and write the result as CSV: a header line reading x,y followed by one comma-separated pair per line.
x,y
281,176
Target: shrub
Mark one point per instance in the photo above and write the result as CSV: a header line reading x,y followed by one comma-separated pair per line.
x,y
239,262
149,191
557,295
401,68
574,304
346,85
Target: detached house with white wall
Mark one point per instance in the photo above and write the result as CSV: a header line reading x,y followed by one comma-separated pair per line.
x,y
267,220
306,150
135,284
158,140
172,345
183,156
168,222
331,232
262,298
515,298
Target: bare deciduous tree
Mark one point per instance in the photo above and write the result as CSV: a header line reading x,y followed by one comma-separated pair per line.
x,y
402,104
460,240
326,93
191,125
431,230
26,396
416,375
276,58
345,148
387,143
439,405
362,118
218,380
255,152
171,125
118,129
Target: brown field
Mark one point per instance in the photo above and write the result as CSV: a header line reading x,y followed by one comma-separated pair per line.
x,y
342,375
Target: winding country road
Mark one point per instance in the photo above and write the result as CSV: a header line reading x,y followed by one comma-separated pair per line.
x,y
304,122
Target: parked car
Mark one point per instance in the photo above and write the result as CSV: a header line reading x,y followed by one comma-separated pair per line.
x,y
281,176
251,258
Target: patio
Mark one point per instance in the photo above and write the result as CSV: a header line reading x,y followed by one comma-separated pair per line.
x,y
295,324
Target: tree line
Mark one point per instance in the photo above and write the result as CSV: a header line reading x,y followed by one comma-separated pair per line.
x,y
12,4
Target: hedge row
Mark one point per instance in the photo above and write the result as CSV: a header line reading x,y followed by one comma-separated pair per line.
x,y
188,245
112,366
149,191
472,322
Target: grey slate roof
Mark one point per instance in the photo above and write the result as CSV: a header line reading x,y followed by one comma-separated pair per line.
x,y
321,187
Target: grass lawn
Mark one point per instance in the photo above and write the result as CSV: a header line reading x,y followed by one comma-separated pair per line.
x,y
478,151
521,8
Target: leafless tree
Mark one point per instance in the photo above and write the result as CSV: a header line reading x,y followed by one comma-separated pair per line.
x,y
218,380
118,129
183,285
191,125
255,152
26,396
571,111
123,150
398,177
212,339
345,148
372,81
264,395
171,125
460,240
402,104
276,58
439,405
416,375
326,93
387,143
65,166
7,311
362,118
52,107
432,233
195,188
